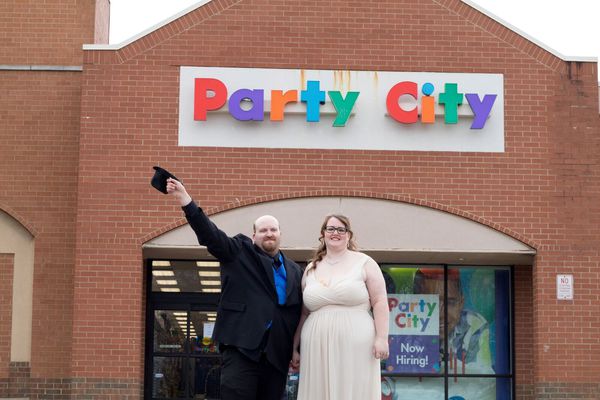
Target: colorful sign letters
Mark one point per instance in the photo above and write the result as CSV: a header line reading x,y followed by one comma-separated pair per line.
x,y
358,110
210,94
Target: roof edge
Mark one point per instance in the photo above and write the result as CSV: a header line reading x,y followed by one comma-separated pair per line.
x,y
119,46
527,36
153,28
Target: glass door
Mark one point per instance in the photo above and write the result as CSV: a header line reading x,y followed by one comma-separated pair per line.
x,y
205,361
185,361
182,361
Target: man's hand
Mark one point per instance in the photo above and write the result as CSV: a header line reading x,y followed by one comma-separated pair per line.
x,y
176,189
295,363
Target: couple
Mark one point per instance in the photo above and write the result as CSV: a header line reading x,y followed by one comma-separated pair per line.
x,y
263,325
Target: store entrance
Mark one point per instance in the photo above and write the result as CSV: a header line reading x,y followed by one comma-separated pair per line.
x,y
182,365
182,361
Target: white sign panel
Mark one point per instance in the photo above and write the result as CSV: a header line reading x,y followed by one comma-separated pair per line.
x,y
564,287
209,327
362,110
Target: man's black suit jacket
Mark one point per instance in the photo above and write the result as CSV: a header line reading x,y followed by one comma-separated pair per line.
x,y
249,302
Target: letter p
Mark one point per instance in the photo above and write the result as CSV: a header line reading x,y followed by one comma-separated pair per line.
x,y
392,303
203,102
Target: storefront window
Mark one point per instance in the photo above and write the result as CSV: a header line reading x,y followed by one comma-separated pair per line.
x,y
461,388
482,336
398,388
463,309
466,310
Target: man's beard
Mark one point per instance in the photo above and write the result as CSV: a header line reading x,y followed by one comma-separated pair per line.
x,y
270,246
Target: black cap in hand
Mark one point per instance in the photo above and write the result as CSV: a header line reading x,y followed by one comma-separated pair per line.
x,y
159,180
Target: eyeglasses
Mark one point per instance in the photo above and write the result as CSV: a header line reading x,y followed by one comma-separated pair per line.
x,y
339,229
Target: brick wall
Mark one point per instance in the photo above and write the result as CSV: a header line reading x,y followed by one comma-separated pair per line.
x,y
45,32
40,114
39,135
19,380
567,347
574,391
543,187
20,384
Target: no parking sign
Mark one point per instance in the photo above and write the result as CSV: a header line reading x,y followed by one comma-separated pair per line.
x,y
564,287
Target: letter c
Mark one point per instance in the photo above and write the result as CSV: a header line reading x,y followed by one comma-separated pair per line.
x,y
394,109
399,317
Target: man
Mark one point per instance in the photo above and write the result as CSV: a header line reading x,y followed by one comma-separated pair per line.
x,y
468,331
260,304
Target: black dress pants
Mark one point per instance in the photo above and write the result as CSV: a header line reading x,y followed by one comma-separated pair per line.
x,y
245,379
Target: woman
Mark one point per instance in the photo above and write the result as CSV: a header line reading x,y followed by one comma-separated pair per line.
x,y
339,342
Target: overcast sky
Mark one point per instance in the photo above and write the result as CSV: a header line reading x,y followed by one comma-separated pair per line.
x,y
571,27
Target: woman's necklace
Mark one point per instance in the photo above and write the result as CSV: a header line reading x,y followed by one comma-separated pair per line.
x,y
330,271
331,261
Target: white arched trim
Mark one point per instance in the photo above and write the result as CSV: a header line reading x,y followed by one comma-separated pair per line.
x,y
389,231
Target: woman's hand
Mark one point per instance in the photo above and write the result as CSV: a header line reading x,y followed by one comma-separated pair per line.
x,y
381,349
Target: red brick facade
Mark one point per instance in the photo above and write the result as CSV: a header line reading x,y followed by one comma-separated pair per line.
x,y
79,149
40,112
40,146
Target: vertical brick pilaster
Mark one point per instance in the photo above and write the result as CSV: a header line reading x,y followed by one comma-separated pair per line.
x,y
523,320
6,293
19,384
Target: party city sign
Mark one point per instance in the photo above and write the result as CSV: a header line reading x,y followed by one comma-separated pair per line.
x,y
367,110
414,335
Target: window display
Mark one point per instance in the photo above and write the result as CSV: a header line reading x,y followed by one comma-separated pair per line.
x,y
463,309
